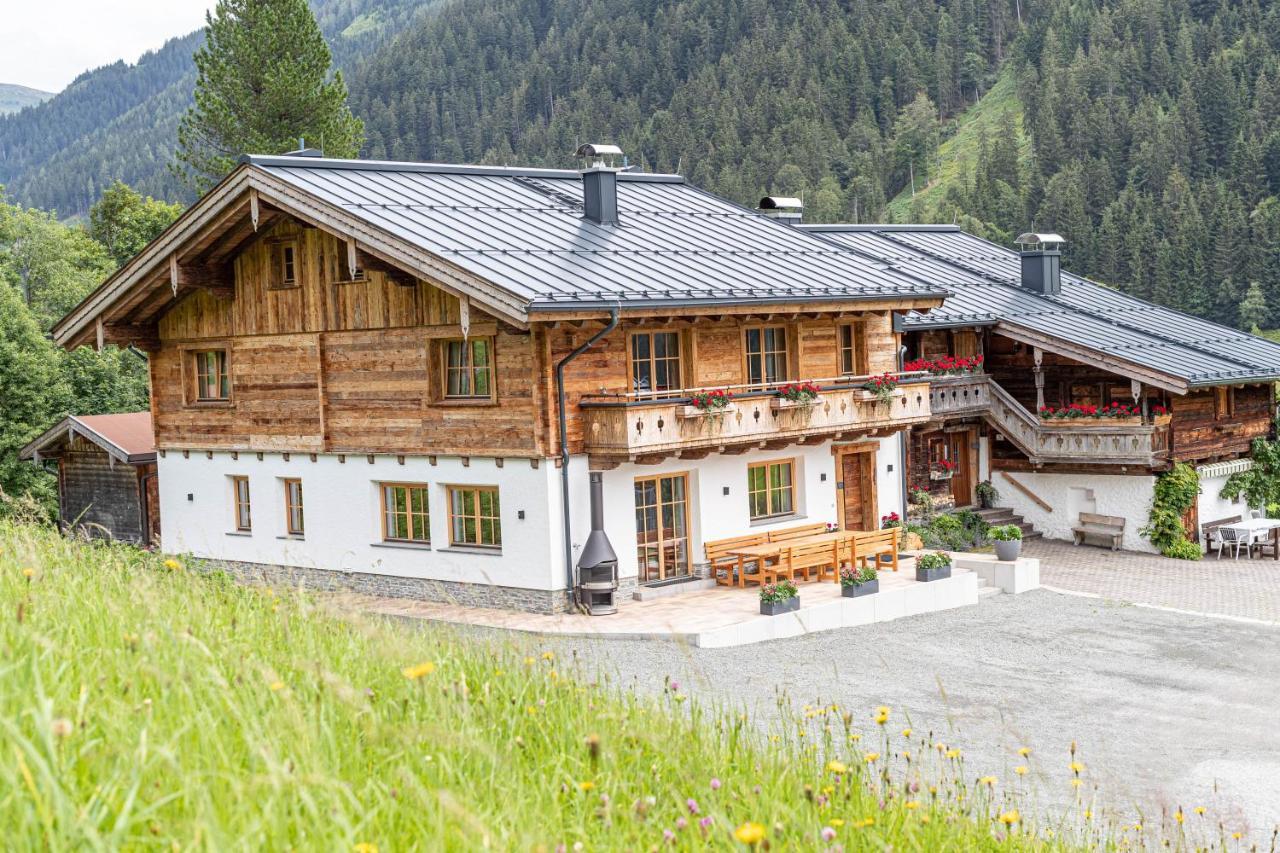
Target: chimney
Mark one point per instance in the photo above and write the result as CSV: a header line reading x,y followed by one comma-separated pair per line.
x,y
782,208
598,564
600,184
303,151
1041,262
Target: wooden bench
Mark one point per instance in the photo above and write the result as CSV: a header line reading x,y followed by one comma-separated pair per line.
x,y
730,569
819,558
1102,526
872,544
788,534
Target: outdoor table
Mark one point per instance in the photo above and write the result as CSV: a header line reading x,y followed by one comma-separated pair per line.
x,y
775,549
1254,526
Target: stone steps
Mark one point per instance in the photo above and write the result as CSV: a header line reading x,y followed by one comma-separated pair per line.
x,y
1005,515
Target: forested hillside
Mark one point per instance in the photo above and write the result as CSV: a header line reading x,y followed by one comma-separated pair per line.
x,y
120,121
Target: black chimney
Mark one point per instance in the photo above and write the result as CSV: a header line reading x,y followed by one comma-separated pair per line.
x,y
1041,262
600,184
598,564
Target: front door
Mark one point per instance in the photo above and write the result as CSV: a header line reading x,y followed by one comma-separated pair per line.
x,y
662,527
962,479
857,490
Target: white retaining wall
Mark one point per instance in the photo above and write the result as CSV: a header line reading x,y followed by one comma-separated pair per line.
x,y
1071,494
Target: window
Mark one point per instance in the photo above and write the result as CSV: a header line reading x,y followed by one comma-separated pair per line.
x,y
1224,403
404,513
655,362
853,358
468,371
293,520
284,264
474,517
766,348
771,489
213,383
240,504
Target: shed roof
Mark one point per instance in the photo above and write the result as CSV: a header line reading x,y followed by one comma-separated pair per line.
x,y
126,437
984,280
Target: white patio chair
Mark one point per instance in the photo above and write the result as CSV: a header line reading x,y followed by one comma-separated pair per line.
x,y
1255,513
1235,538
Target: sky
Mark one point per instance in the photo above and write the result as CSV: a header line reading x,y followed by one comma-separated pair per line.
x,y
44,44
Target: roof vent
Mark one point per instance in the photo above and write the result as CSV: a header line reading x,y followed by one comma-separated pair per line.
x,y
304,151
600,183
1041,262
783,208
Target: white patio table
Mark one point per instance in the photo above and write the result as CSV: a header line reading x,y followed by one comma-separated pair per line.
x,y
1259,529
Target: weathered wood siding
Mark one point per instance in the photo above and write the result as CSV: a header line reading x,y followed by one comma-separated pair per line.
x,y
102,499
1199,434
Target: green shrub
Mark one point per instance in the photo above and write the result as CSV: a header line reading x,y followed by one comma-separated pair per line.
x,y
1183,550
944,524
1006,533
1175,492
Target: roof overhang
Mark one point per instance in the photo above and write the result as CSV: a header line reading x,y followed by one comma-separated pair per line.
x,y
242,193
544,312
1088,355
70,427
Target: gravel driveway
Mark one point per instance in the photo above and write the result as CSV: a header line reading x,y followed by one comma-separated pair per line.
x,y
1169,709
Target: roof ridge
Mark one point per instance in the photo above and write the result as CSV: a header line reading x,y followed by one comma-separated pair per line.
x,y
286,161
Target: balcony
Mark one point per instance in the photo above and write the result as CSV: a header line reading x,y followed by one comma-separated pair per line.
x,y
633,425
955,396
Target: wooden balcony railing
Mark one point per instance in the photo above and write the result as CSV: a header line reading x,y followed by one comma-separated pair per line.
x,y
963,394
637,425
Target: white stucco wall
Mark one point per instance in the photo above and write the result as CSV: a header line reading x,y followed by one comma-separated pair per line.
x,y
1072,494
343,527
1211,507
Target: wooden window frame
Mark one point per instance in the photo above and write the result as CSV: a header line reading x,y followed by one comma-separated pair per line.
x,y
788,352
771,514
409,514
688,534
290,528
1224,402
478,518
242,520
856,349
442,356
191,374
684,361
277,280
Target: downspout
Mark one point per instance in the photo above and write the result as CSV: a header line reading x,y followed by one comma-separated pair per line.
x,y
564,444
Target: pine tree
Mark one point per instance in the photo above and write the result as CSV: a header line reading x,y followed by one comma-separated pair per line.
x,y
1253,308
262,84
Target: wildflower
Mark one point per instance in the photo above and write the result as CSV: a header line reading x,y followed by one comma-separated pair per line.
x,y
586,786
704,823
681,823
911,804
854,738
1009,818
1075,766
418,670
1178,816
1076,783
1024,751
1088,815
62,727
529,661
1237,835
531,710
749,833
837,822
872,757
172,564
1199,810
1021,770
828,834
365,847
906,732
548,655
953,753
28,573
989,781
837,767
277,685
692,805
668,836
715,784
593,746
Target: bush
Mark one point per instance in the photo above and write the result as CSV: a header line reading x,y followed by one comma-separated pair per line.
x,y
1006,533
1175,492
1183,550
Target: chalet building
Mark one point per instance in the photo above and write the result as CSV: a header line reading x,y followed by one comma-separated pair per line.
x,y
1196,392
461,383
106,467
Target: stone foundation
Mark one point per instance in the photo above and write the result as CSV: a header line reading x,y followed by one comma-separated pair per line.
x,y
395,586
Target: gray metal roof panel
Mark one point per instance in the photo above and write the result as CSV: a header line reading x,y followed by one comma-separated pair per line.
x,y
1085,313
523,230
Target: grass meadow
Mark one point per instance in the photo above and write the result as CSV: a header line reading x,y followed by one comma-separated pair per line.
x,y
145,705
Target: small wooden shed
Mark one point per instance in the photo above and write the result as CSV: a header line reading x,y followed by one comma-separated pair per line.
x,y
107,485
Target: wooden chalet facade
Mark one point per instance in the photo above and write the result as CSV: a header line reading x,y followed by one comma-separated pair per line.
x,y
1199,393
354,372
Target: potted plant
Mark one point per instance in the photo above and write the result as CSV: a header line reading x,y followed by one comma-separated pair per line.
x,y
855,582
708,403
1160,415
988,495
933,567
1008,540
796,395
780,597
890,520
943,469
882,387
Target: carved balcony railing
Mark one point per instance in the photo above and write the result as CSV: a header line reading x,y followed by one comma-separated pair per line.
x,y
962,394
632,425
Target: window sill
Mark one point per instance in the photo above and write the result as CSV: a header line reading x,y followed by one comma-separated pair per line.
x,y
472,549
774,519
466,401
248,533
408,546
297,537
209,404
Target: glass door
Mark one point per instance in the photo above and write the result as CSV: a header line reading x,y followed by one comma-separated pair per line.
x,y
662,527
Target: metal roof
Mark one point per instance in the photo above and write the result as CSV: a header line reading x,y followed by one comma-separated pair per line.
x,y
984,280
523,230
127,437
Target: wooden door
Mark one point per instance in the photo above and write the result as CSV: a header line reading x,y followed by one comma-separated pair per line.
x,y
151,509
662,527
857,487
961,446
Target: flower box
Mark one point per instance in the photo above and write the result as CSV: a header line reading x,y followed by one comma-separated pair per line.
x,y
1089,422
781,403
933,567
1162,420
858,590
700,412
941,475
776,608
933,574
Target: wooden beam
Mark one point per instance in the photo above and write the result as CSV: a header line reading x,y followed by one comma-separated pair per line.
x,y
143,336
219,280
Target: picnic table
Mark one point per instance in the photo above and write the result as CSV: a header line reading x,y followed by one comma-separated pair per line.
x,y
765,553
1255,527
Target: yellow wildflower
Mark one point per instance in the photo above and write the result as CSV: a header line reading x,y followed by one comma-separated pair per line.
x,y
28,572
1021,770
906,732
548,655
837,822
883,711
277,685
1199,810
1088,815
1075,766
989,781
953,753
872,757
172,564
1024,751
586,786
1237,835
1011,817
924,818
837,767
531,710
1076,783
529,661
749,833
855,737
1178,816
365,847
418,670
911,804
881,719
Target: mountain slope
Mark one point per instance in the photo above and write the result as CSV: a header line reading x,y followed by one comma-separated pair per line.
x,y
14,97
120,121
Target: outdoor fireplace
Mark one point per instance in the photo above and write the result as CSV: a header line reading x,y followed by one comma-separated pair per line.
x,y
598,564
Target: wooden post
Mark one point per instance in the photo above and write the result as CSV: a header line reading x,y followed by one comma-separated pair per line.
x,y
253,207
1039,373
